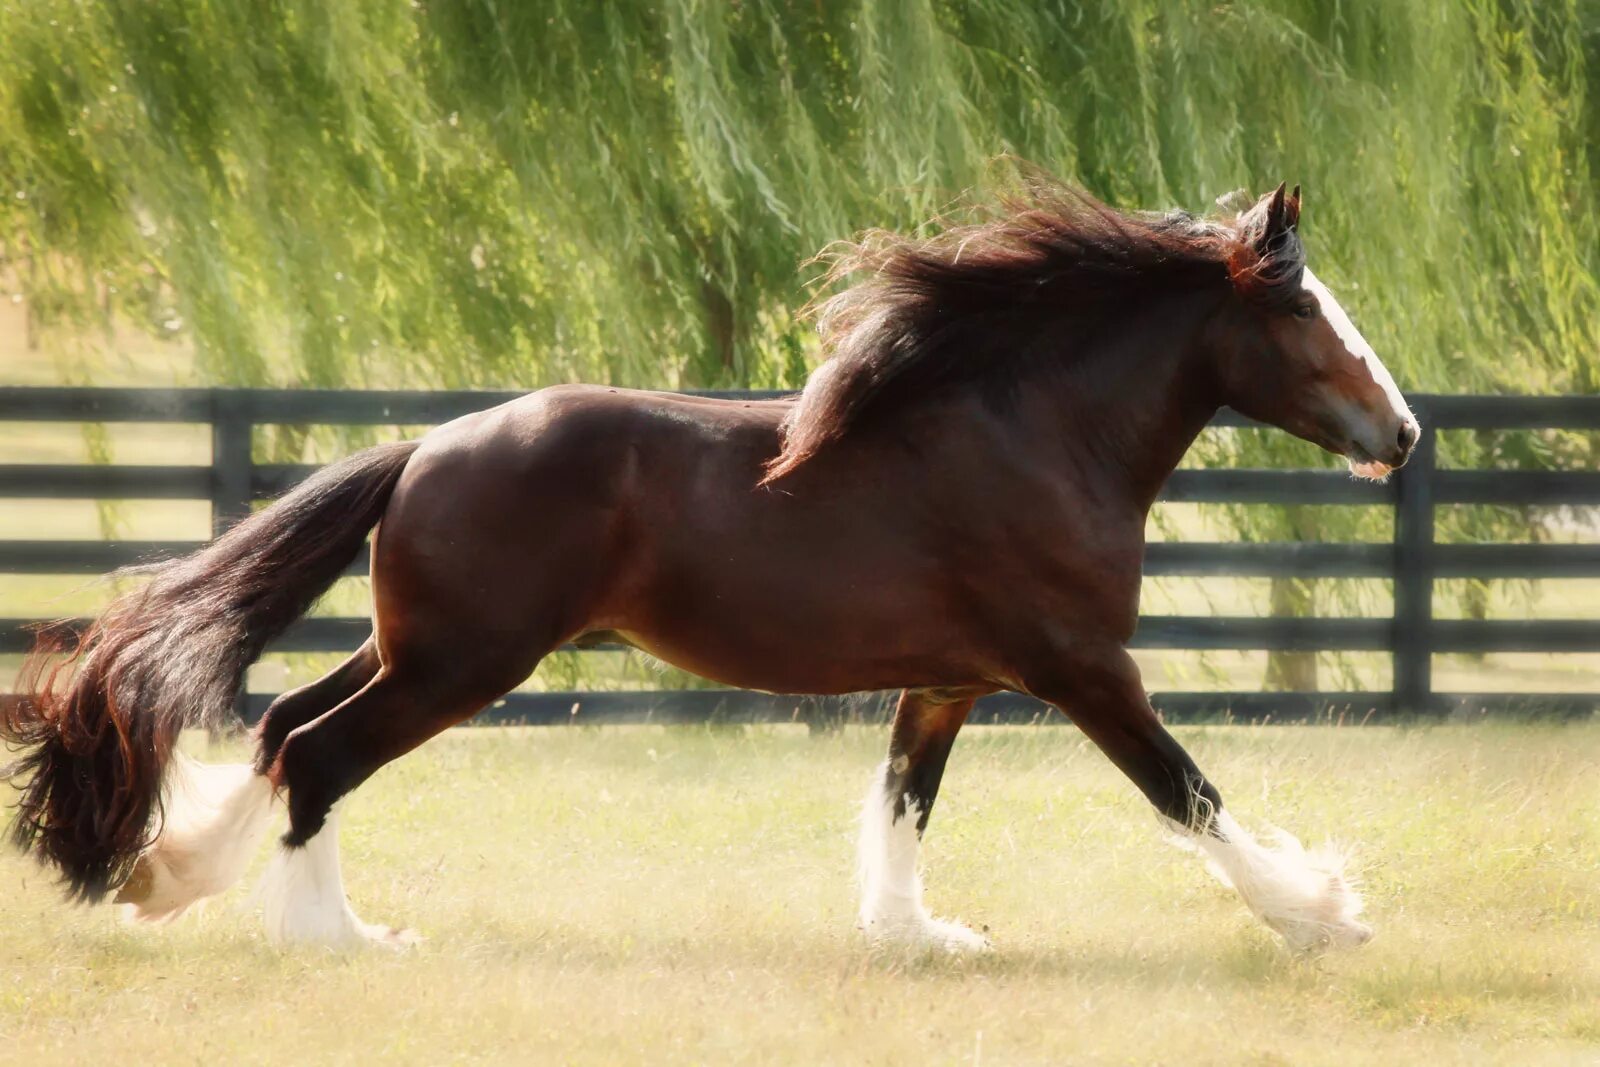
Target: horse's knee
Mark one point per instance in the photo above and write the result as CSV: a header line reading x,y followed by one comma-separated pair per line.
x,y
1098,686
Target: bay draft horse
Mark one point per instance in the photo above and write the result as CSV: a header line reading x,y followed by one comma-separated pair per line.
x,y
954,505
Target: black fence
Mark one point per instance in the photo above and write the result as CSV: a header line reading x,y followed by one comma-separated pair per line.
x,y
1412,561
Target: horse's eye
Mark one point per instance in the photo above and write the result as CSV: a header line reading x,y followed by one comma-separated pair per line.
x,y
1305,312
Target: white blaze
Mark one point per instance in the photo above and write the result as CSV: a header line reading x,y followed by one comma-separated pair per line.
x,y
1334,312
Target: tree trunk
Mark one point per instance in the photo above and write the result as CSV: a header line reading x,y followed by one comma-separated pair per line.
x,y
1475,605
1294,597
1296,671
721,327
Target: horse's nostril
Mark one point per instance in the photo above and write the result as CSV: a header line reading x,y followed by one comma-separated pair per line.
x,y
1407,436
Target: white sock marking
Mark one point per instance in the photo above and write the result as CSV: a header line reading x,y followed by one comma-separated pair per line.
x,y
304,901
214,816
891,886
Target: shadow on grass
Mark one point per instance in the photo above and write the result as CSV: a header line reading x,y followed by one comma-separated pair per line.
x,y
1234,960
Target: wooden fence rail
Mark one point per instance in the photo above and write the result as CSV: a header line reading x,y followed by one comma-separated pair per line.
x,y
1412,562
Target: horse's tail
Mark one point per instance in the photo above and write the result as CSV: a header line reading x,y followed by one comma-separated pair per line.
x,y
96,729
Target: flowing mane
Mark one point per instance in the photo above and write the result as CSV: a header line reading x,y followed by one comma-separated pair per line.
x,y
972,303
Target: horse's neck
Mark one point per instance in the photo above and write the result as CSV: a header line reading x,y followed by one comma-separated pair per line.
x,y
1130,407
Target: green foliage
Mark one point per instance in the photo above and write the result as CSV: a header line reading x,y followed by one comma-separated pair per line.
x,y
465,192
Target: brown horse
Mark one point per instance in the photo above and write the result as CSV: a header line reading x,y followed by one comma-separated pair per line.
x,y
955,505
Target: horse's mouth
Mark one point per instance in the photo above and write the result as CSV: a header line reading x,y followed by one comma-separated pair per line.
x,y
1364,465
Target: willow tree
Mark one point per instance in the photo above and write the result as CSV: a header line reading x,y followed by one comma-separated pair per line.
x,y
464,192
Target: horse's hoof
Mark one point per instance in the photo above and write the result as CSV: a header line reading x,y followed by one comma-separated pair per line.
x,y
1357,935
152,895
926,932
400,940
140,884
1315,938
955,938
391,938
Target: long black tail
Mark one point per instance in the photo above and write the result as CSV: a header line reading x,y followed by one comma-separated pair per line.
x,y
97,726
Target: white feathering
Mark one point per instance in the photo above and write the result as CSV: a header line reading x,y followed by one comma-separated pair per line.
x,y
213,819
891,885
304,902
1303,895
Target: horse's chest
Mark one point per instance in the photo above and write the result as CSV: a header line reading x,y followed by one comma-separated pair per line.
x,y
1077,568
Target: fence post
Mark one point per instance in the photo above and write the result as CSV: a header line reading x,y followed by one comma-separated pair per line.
x,y
230,460
231,495
1413,577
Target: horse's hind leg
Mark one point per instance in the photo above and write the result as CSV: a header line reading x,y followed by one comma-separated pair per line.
x,y
298,707
214,816
322,761
895,816
1303,896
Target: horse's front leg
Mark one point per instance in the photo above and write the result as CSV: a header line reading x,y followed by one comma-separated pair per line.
x,y
895,815
1302,895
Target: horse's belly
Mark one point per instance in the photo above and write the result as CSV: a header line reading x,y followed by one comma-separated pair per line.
x,y
813,643
801,670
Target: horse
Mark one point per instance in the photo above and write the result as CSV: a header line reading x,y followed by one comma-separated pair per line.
x,y
954,505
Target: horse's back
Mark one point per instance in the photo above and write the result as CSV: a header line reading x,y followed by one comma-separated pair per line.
x,y
550,498
581,509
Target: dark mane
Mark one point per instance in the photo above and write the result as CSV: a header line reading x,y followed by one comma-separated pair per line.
x,y
970,303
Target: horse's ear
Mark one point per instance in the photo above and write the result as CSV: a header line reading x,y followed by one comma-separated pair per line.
x,y
1274,215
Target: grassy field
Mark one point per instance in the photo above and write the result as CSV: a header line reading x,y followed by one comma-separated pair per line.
x,y
646,895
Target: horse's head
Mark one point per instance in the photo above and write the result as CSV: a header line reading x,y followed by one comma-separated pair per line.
x,y
1290,356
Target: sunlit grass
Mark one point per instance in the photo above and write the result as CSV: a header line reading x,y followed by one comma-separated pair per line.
x,y
654,895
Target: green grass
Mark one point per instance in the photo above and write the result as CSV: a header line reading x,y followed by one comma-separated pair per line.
x,y
663,896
